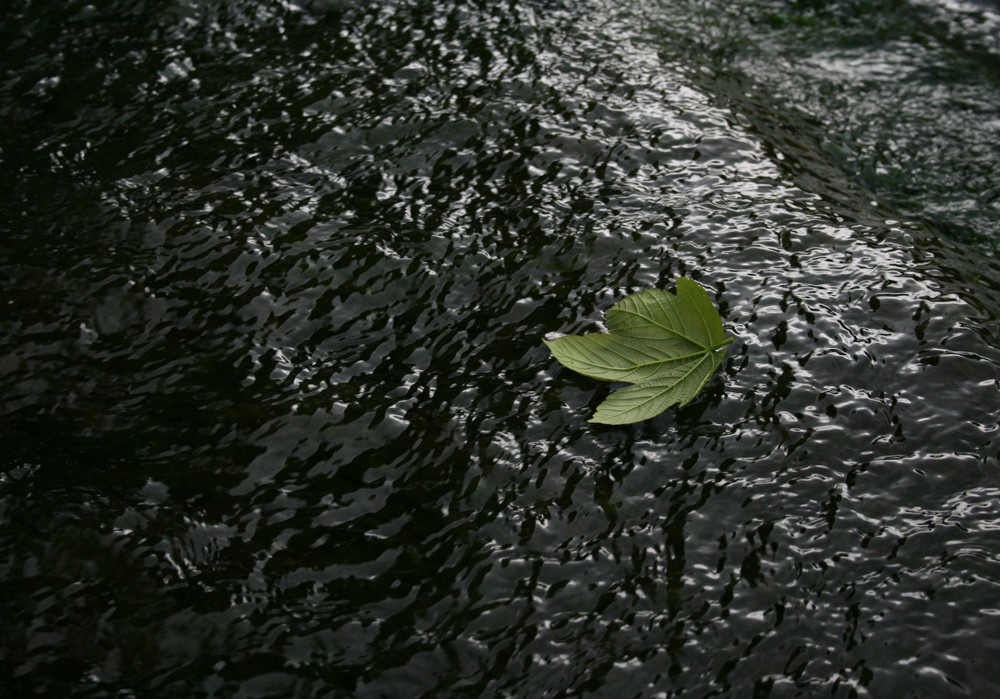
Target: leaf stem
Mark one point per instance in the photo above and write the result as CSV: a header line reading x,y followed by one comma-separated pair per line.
x,y
717,345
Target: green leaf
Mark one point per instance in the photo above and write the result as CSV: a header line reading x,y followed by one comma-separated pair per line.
x,y
668,346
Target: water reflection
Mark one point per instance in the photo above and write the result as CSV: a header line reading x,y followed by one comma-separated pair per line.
x,y
279,421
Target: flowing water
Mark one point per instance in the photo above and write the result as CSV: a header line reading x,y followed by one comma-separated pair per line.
x,y
275,413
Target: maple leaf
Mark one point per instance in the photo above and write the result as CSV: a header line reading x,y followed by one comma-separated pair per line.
x,y
668,346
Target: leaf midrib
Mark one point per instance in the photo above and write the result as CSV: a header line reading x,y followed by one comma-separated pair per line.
x,y
671,387
665,360
669,330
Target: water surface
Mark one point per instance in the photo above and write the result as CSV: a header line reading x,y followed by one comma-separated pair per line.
x,y
278,422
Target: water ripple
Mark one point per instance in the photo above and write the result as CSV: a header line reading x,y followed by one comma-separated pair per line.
x,y
277,416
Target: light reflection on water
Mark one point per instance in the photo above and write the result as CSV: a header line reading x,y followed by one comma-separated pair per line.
x,y
279,421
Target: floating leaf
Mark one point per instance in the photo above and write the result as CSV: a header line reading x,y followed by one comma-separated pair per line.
x,y
667,346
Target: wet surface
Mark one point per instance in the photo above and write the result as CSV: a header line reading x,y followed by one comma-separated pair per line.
x,y
278,422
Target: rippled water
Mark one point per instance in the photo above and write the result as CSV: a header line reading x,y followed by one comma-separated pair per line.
x,y
903,96
276,416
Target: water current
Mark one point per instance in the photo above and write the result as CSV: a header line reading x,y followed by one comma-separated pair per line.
x,y
276,417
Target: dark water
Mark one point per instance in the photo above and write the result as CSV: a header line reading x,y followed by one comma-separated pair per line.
x,y
277,420
903,96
